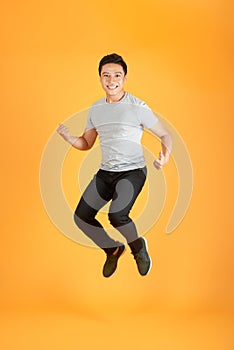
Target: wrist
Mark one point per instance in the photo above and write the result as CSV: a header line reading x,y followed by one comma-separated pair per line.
x,y
166,154
72,140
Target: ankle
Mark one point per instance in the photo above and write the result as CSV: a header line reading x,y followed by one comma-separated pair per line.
x,y
136,245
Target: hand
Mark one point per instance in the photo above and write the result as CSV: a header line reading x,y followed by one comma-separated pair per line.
x,y
64,132
161,161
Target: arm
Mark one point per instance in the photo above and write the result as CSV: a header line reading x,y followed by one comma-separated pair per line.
x,y
82,143
166,141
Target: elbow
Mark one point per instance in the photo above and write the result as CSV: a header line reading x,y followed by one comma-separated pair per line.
x,y
167,136
88,146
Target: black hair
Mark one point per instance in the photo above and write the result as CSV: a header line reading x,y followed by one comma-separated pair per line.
x,y
112,58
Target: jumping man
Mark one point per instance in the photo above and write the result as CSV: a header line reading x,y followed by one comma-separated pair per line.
x,y
118,120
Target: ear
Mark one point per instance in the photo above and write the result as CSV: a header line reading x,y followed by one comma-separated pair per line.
x,y
125,77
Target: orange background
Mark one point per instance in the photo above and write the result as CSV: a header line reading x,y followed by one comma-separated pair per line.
x,y
180,58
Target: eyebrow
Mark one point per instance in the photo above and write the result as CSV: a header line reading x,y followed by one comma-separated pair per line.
x,y
114,73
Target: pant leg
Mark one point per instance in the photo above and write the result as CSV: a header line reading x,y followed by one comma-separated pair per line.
x,y
127,190
96,195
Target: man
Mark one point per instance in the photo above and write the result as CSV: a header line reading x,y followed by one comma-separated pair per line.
x,y
118,120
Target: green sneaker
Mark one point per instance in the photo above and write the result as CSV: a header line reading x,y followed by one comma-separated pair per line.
x,y
111,262
142,258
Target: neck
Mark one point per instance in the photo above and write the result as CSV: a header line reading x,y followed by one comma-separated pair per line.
x,y
114,99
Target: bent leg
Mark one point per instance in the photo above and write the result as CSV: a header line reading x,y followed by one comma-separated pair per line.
x,y
89,205
127,190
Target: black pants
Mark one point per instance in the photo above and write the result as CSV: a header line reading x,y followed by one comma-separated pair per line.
x,y
122,188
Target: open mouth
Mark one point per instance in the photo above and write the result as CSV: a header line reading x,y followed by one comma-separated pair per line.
x,y
112,87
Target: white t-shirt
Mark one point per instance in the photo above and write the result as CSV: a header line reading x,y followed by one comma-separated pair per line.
x,y
120,126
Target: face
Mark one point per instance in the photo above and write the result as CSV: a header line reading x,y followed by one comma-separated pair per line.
x,y
112,79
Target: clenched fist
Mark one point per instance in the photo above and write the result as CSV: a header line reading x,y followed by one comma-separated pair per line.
x,y
65,133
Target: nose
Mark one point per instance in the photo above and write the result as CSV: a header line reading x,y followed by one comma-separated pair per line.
x,y
111,79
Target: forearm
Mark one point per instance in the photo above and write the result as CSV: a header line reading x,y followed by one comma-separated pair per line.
x,y
164,155
166,142
82,143
79,143
165,136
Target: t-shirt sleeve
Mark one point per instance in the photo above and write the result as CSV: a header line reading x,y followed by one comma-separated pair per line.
x,y
146,115
89,124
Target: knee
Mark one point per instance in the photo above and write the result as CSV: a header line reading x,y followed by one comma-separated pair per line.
x,y
117,219
82,217
77,219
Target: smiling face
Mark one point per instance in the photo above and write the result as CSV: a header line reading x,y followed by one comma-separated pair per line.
x,y
112,78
